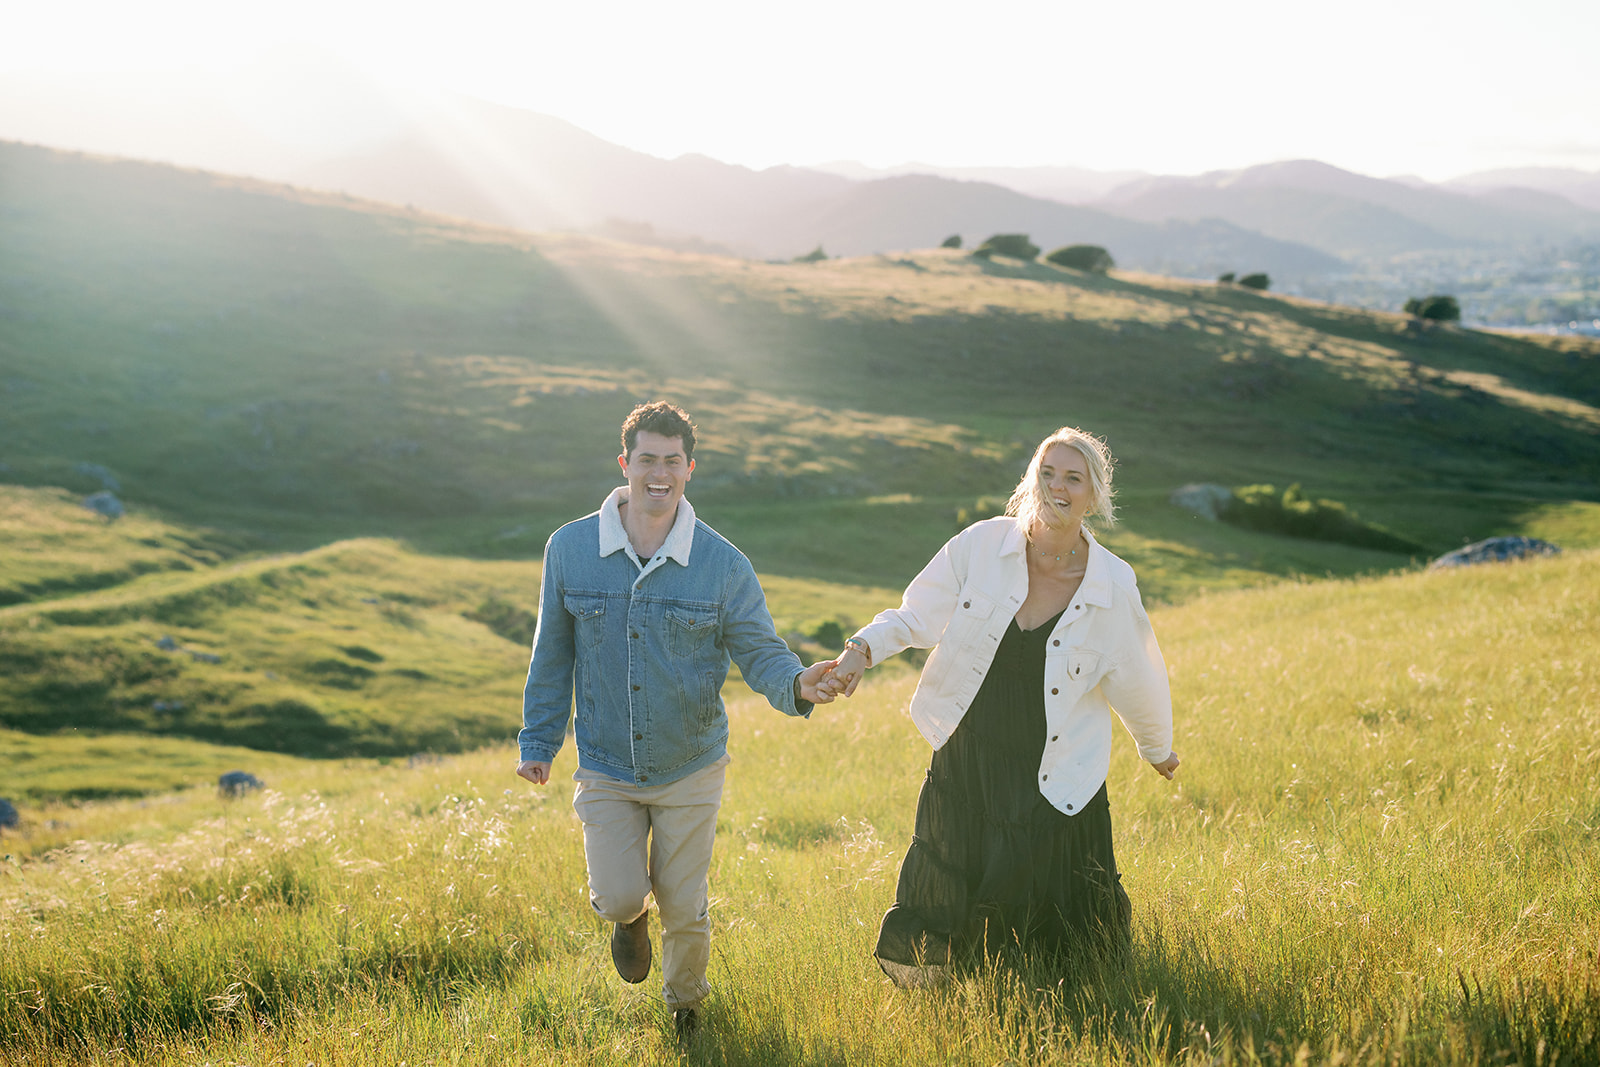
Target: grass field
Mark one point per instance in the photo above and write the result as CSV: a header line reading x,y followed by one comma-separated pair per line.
x,y
1381,848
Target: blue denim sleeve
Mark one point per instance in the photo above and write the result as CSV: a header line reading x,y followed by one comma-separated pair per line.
x,y
547,697
752,641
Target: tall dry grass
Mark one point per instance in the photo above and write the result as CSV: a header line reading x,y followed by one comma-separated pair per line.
x,y
1382,848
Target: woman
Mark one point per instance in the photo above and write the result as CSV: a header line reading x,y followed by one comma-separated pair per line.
x,y
1037,634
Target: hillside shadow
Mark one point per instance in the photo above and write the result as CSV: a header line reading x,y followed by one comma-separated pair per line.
x,y
1155,997
1153,1001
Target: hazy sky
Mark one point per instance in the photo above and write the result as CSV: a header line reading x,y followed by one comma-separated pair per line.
x,y
1175,86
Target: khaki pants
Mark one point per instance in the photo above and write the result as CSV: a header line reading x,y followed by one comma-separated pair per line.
x,y
639,840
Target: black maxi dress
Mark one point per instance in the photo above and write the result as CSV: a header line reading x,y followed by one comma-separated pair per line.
x,y
992,862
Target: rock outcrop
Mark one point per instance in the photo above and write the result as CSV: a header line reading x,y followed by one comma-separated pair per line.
x,y
1205,499
1494,550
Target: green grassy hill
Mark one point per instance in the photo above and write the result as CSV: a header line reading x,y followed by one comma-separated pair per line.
x,y
344,431
244,356
358,648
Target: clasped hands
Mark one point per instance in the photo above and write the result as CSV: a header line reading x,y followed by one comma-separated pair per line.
x,y
843,676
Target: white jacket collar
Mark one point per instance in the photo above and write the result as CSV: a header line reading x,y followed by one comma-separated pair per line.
x,y
614,537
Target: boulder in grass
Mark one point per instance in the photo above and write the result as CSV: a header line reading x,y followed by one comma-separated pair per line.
x,y
1494,550
106,479
105,503
238,783
1205,499
8,814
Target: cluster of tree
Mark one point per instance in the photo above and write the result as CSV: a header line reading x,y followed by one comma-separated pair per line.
x,y
1082,257
1018,246
1293,514
1011,245
1258,280
1436,308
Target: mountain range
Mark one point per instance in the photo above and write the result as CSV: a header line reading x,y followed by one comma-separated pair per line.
x,y
1298,220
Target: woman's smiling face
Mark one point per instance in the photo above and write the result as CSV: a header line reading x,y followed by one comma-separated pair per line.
x,y
1064,478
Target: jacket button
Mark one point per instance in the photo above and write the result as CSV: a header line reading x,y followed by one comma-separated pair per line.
x,y
1069,807
966,603
644,778
635,689
1044,778
1053,692
1055,737
1056,643
633,635
638,737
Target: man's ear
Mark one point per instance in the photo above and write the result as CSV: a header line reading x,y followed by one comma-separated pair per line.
x,y
690,472
622,461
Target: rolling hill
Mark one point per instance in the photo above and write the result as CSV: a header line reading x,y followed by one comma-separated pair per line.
x,y
269,378
233,349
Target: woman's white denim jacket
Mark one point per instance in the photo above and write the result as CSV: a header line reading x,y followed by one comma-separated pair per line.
x,y
1102,654
636,651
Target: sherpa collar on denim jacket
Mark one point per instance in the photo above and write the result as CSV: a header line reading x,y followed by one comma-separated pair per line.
x,y
614,536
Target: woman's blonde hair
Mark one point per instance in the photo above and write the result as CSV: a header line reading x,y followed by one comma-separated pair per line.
x,y
1032,504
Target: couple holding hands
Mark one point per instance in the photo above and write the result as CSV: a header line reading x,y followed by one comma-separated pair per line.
x,y
1037,633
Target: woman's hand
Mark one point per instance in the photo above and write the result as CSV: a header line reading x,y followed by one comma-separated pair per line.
x,y
848,671
1167,766
815,683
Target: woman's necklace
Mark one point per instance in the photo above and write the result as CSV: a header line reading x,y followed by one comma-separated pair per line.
x,y
1045,553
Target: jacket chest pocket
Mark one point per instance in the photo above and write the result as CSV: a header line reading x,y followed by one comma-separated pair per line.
x,y
1083,667
690,632
972,614
588,618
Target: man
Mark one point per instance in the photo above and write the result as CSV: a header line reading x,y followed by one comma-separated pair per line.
x,y
640,609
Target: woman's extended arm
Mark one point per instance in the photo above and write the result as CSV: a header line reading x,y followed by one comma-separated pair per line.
x,y
919,622
1138,691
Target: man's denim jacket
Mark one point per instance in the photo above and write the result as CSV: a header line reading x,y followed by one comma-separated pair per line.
x,y
640,655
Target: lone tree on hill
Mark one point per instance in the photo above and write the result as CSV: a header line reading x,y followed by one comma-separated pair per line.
x,y
1082,257
1255,281
1436,308
953,241
1015,245
816,255
1225,278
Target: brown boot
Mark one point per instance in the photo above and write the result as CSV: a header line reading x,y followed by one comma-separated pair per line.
x,y
630,948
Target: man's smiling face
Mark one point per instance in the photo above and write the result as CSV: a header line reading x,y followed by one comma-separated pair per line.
x,y
657,472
